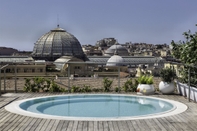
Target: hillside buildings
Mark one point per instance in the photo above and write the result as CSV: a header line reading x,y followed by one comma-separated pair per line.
x,y
58,51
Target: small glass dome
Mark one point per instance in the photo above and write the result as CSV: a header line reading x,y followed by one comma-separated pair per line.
x,y
56,43
115,60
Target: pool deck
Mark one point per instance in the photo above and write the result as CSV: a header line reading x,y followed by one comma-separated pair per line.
x,y
186,121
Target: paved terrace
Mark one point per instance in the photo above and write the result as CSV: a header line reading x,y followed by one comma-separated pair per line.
x,y
186,121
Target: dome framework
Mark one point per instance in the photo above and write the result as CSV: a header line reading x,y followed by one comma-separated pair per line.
x,y
56,43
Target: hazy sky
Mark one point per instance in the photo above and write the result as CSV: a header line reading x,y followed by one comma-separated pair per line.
x,y
22,22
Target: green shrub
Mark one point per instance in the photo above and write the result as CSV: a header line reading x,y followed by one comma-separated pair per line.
x,y
97,90
167,74
30,86
150,80
27,86
135,85
107,84
86,88
129,86
75,89
40,84
117,89
55,88
145,79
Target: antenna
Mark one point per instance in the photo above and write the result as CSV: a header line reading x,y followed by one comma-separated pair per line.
x,y
58,20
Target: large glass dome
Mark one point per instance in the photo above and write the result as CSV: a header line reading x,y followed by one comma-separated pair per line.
x,y
57,43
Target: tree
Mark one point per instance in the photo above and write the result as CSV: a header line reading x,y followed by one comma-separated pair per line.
x,y
186,50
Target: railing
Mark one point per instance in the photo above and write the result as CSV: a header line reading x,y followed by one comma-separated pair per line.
x,y
188,75
74,73
2,67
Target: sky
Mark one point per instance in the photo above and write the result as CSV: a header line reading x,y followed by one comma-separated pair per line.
x,y
23,22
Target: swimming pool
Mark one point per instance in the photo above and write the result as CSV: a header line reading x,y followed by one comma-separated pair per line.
x,y
96,107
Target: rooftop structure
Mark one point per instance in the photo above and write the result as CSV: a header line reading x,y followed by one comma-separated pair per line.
x,y
12,59
128,60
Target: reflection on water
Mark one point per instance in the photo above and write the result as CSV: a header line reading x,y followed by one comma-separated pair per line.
x,y
152,104
143,101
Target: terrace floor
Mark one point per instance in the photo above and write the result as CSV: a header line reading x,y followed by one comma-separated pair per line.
x,y
186,121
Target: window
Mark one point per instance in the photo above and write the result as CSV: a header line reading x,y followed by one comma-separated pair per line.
x,y
77,67
7,70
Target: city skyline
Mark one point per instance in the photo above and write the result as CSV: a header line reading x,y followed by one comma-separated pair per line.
x,y
153,22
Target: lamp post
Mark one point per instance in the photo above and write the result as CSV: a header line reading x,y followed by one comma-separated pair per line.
x,y
4,80
119,79
69,78
15,78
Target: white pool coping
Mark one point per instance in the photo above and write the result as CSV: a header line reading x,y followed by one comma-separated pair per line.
x,y
14,108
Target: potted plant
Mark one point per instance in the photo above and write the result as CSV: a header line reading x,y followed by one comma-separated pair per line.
x,y
166,86
145,85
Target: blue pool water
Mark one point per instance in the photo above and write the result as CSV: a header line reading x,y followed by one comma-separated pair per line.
x,y
97,106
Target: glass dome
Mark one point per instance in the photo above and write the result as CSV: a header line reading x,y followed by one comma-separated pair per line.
x,y
122,51
56,43
115,60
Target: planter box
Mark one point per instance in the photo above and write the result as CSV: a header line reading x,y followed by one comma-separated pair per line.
x,y
195,94
183,89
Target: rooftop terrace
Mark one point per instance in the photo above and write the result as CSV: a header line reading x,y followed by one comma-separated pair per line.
x,y
184,121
